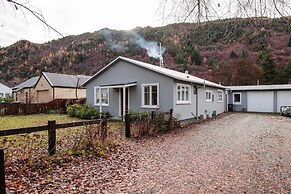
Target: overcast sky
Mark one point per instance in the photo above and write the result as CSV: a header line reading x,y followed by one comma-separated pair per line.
x,y
74,17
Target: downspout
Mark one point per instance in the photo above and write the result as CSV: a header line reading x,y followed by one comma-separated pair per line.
x,y
53,93
196,88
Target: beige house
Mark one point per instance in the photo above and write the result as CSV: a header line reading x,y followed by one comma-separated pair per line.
x,y
52,86
25,92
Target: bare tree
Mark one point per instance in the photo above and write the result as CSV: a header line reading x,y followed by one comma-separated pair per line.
x,y
20,5
203,10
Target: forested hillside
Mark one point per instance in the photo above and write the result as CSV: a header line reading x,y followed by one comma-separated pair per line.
x,y
233,52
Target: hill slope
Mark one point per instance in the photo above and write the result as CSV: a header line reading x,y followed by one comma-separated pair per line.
x,y
236,51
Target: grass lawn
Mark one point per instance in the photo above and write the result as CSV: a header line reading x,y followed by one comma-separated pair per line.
x,y
33,146
9,122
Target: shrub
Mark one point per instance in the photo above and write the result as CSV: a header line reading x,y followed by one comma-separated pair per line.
x,y
74,110
88,112
83,111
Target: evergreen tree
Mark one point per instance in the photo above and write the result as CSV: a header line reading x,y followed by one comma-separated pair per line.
x,y
269,69
195,57
289,42
287,72
245,54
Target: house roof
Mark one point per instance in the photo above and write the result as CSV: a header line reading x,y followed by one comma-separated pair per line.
x,y
26,84
260,87
164,71
4,88
64,80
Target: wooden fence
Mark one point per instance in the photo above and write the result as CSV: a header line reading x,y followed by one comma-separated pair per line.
x,y
51,128
19,108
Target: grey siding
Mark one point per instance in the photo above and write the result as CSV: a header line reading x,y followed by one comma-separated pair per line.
x,y
124,72
184,111
207,107
244,102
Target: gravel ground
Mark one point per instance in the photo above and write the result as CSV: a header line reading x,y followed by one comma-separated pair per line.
x,y
237,153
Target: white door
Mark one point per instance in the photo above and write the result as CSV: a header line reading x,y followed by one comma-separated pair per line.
x,y
283,99
260,101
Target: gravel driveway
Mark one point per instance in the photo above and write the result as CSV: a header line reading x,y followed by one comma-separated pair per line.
x,y
237,153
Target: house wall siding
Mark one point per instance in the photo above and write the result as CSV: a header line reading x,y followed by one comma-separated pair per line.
x,y
124,72
184,111
44,91
21,95
244,102
207,107
69,93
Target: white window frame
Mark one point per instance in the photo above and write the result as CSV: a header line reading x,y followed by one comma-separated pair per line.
x,y
238,103
142,96
181,96
210,96
100,100
219,96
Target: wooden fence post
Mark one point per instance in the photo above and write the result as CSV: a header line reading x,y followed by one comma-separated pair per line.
x,y
171,124
2,172
52,137
127,125
103,134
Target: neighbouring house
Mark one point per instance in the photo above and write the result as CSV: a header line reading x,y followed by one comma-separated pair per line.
x,y
5,91
25,92
127,85
50,86
259,98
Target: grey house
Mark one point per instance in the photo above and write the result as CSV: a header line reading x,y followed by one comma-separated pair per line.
x,y
259,98
4,91
127,85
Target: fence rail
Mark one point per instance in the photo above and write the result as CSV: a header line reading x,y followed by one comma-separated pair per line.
x,y
51,128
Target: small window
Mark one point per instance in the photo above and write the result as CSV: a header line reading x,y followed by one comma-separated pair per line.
x,y
1,94
236,98
208,96
183,94
219,97
150,93
103,96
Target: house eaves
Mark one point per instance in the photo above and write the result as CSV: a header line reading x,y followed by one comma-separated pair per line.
x,y
260,87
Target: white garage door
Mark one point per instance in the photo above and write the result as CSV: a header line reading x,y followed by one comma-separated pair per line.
x,y
260,101
283,99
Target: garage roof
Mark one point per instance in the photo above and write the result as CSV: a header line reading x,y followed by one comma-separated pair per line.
x,y
260,87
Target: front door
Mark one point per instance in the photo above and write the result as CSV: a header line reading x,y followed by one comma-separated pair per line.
x,y
121,101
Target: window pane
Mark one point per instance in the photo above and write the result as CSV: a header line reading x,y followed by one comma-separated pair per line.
x,y
147,95
236,97
187,93
182,93
154,95
179,93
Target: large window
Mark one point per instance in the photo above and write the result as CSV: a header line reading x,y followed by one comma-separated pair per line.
x,y
220,96
101,94
237,98
208,96
150,95
183,94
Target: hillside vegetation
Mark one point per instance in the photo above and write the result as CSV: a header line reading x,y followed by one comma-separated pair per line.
x,y
232,52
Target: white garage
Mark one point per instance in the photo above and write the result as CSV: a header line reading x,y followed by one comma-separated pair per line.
x,y
260,101
283,99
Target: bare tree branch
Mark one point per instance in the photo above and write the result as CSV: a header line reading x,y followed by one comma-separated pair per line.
x,y
35,14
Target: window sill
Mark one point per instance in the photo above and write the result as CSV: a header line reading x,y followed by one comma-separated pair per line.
x,y
208,101
102,104
148,106
219,101
183,103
